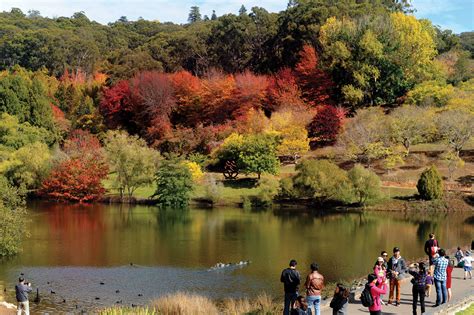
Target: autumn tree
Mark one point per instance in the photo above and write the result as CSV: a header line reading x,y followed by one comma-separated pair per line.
x,y
283,91
289,126
78,176
130,159
326,124
315,84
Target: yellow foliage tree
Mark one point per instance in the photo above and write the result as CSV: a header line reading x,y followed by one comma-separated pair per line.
x,y
196,171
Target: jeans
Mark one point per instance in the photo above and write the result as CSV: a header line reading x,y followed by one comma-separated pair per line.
x,y
417,291
441,291
289,299
394,285
314,301
25,306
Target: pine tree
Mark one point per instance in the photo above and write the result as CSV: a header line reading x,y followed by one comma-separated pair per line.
x,y
213,16
194,15
242,10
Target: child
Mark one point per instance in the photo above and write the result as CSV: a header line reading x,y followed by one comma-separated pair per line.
x,y
467,265
340,300
301,307
459,255
429,283
419,285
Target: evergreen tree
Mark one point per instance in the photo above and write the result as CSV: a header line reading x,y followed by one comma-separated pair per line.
x,y
213,16
194,15
430,184
242,10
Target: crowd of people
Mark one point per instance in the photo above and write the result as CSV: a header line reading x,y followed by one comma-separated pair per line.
x,y
387,277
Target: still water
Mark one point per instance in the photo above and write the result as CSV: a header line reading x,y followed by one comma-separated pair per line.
x,y
92,256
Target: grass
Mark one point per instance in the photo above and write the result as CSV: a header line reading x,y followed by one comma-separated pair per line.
x,y
181,303
467,311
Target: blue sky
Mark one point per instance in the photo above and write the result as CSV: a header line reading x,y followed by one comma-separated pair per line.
x,y
457,15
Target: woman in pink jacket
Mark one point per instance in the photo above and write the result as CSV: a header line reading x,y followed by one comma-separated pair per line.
x,y
376,308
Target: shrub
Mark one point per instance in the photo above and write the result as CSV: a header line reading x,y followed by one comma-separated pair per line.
x,y
321,180
430,184
286,189
365,184
174,184
195,169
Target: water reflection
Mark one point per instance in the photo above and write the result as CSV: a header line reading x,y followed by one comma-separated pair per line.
x,y
76,240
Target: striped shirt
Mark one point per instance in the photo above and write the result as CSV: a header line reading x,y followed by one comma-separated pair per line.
x,y
440,264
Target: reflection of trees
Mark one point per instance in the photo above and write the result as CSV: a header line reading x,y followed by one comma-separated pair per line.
x,y
168,218
425,228
470,220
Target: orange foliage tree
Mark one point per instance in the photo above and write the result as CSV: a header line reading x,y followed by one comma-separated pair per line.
x,y
78,177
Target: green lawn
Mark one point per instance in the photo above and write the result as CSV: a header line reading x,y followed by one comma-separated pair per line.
x,y
467,311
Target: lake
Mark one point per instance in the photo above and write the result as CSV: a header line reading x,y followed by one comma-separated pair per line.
x,y
144,252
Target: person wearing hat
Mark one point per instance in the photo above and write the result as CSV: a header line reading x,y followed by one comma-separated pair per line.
x,y
396,269
467,259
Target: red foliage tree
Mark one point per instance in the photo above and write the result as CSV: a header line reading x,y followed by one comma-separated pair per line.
x,y
217,95
316,85
282,91
116,105
250,92
79,177
326,124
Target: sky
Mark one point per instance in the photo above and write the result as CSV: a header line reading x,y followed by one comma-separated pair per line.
x,y
457,15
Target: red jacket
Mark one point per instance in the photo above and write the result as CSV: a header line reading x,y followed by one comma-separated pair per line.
x,y
376,292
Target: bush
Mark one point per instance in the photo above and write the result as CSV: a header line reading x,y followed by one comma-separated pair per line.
x,y
286,189
430,184
321,180
174,184
12,218
365,184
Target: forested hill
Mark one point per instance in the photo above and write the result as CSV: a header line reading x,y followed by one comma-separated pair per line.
x,y
251,39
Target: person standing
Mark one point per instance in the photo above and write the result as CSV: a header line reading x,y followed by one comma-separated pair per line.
x,y
22,289
459,255
467,260
431,248
291,280
384,255
376,308
449,272
314,285
396,269
419,286
440,265
380,270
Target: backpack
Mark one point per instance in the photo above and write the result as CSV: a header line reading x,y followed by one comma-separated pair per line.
x,y
366,297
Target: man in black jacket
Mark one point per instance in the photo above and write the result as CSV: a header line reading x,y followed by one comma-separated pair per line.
x,y
291,280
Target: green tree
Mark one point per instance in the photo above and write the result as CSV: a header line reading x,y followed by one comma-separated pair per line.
x,y
375,60
321,180
430,184
411,125
365,184
14,134
194,15
174,184
131,160
258,155
28,166
12,218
